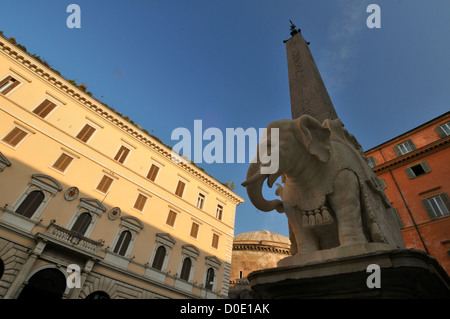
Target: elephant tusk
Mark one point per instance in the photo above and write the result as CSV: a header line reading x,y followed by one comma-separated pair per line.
x,y
254,178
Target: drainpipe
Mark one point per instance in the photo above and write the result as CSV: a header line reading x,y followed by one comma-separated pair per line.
x,y
406,205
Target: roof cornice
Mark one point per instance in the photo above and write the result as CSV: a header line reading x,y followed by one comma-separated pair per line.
x,y
413,156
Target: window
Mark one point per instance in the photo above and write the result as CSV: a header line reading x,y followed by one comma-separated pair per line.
x,y
186,269
82,223
194,230
86,133
160,255
14,137
417,170
123,243
153,172
215,241
31,203
219,212
371,161
122,154
44,108
140,202
200,201
180,189
62,162
404,148
443,130
8,84
209,279
437,206
104,184
171,218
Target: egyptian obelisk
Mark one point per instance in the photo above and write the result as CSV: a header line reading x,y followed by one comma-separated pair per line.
x,y
307,90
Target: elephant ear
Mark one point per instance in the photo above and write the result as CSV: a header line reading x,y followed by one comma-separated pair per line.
x,y
315,137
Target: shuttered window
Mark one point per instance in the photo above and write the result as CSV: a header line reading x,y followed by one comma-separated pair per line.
x,y
171,218
153,172
215,241
140,202
443,130
180,188
62,162
8,84
104,184
194,230
85,133
371,161
404,148
437,206
14,137
122,154
418,170
44,108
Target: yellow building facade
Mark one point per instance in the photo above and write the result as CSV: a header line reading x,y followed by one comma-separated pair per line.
x,y
91,206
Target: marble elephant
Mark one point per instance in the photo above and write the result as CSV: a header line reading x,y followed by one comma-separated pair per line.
x,y
330,196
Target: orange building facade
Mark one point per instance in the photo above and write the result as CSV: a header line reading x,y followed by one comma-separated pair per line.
x,y
415,170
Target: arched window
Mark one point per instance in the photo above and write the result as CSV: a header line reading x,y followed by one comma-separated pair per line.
x,y
82,223
31,203
160,255
123,243
209,279
186,269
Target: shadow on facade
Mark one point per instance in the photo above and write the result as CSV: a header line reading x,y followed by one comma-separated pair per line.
x,y
43,231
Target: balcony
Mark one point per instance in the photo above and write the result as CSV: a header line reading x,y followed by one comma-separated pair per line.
x,y
71,240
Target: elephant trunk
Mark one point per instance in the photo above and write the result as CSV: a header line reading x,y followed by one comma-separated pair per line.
x,y
254,184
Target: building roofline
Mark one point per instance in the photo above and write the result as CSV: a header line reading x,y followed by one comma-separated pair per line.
x,y
45,72
401,136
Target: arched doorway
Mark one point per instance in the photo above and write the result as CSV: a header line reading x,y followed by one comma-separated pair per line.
x,y
48,283
2,268
98,295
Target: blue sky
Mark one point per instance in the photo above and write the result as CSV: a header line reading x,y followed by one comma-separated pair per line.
x,y
167,63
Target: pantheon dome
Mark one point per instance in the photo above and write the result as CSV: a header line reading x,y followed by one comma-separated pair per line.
x,y
254,251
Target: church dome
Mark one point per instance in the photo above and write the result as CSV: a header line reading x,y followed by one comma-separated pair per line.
x,y
264,237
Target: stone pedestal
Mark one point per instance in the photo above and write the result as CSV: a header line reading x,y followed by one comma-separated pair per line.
x,y
404,273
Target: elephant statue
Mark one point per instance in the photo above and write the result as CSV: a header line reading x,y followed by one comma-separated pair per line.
x,y
330,195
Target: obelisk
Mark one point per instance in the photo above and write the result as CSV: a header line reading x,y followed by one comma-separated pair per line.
x,y
307,90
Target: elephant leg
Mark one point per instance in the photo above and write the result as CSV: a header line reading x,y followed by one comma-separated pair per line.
x,y
345,202
306,239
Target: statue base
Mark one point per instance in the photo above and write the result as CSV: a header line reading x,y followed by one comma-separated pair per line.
x,y
344,272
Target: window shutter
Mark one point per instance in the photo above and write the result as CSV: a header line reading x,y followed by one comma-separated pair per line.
x,y
411,144
397,151
441,132
428,208
410,173
445,200
425,167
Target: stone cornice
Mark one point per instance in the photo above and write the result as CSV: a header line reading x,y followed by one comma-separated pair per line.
x,y
412,156
274,248
64,86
